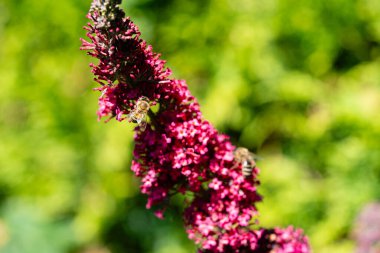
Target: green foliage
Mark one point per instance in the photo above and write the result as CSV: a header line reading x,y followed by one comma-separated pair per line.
x,y
296,82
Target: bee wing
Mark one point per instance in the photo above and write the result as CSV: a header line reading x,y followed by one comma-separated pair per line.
x,y
255,157
130,116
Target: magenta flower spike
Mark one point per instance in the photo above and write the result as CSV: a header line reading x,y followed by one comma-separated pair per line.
x,y
178,151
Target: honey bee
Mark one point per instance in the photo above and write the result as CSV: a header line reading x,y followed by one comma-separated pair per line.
x,y
246,159
139,112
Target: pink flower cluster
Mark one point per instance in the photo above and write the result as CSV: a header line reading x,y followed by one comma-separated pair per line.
x,y
179,152
367,229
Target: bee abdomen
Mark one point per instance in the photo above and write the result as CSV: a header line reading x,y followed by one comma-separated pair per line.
x,y
247,169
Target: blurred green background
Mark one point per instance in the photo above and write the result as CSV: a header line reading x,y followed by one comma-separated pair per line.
x,y
297,82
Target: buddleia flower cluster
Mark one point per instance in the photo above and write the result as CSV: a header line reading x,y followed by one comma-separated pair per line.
x,y
178,151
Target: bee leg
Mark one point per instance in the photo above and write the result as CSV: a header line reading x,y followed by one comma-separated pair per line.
x,y
235,166
142,125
